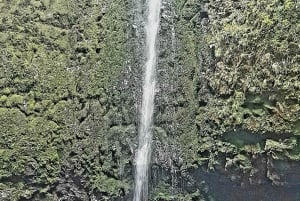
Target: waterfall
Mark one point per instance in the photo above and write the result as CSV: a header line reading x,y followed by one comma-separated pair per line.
x,y
145,136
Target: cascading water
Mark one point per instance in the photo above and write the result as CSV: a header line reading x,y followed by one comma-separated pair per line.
x,y
145,136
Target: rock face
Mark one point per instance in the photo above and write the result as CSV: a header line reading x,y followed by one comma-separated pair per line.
x,y
227,104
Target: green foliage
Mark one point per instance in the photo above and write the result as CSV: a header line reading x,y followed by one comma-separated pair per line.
x,y
164,192
61,110
111,186
58,58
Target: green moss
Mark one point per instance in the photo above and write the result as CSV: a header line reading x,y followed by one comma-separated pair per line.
x,y
296,128
3,100
272,145
102,183
61,59
27,148
6,91
164,192
250,85
60,6
243,161
14,100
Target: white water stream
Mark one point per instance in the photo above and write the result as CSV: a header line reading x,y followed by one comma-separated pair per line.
x,y
143,155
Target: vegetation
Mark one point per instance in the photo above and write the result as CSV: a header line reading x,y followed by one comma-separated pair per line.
x,y
228,96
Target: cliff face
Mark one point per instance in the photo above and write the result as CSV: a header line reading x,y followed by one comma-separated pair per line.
x,y
228,99
64,125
